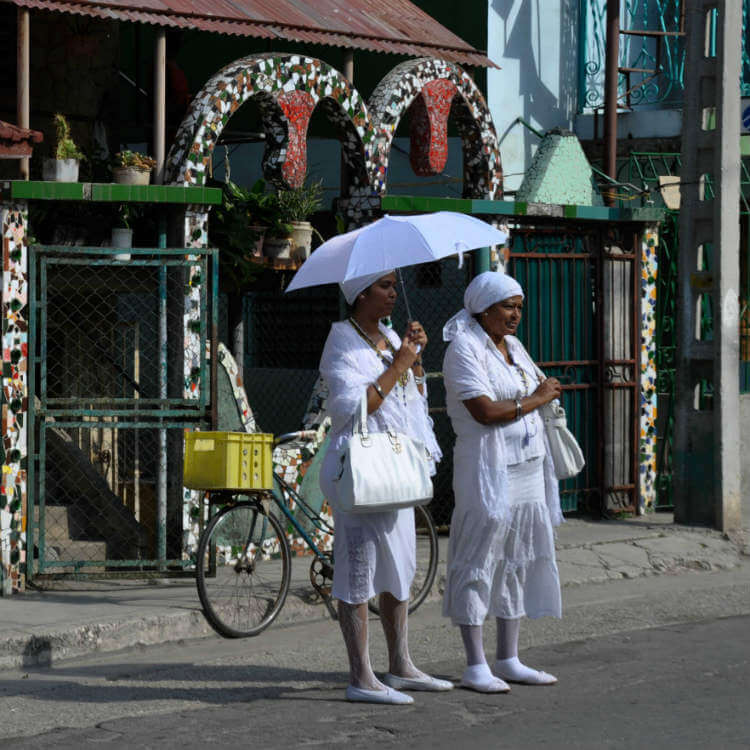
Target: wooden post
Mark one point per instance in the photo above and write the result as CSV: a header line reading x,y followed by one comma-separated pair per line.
x,y
22,81
160,103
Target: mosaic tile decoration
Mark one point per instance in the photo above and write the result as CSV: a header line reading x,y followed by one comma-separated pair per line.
x,y
13,223
648,394
437,88
289,87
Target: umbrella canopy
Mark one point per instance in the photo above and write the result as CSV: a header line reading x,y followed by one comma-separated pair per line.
x,y
394,242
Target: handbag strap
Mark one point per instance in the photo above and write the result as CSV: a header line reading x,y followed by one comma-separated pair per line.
x,y
360,424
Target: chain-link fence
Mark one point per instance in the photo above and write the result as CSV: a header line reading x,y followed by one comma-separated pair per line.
x,y
120,343
284,339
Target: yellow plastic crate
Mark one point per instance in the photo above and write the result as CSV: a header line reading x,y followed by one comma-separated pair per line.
x,y
228,461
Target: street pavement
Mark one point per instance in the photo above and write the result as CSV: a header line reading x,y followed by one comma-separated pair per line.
x,y
660,661
75,619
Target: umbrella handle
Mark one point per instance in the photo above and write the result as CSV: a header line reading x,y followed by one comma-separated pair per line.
x,y
406,302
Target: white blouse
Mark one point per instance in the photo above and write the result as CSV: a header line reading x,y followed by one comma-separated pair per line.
x,y
349,365
474,367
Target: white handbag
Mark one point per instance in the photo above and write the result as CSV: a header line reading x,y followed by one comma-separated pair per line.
x,y
381,470
566,454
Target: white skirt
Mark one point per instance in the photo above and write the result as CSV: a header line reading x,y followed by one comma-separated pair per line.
x,y
504,570
373,553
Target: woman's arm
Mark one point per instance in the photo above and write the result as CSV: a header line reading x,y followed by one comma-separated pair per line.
x,y
385,383
486,411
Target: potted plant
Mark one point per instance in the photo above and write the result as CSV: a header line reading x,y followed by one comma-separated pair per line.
x,y
238,227
122,232
291,235
63,167
132,168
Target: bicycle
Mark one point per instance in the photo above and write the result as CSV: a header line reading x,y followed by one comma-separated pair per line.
x,y
244,561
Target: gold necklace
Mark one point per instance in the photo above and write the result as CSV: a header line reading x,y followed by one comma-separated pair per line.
x,y
403,379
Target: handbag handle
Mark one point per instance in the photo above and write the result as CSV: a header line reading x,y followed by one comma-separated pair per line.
x,y
360,424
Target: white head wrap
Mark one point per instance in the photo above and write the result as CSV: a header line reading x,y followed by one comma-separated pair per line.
x,y
352,288
484,291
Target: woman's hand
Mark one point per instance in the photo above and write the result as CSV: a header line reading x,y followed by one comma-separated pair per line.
x,y
548,390
406,355
417,335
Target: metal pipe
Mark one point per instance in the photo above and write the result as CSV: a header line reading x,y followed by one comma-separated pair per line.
x,y
344,170
161,480
22,81
611,77
160,107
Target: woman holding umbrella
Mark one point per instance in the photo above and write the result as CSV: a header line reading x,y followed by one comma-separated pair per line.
x,y
501,557
375,552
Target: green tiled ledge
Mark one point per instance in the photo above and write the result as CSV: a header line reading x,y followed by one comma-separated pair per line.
x,y
413,203
107,192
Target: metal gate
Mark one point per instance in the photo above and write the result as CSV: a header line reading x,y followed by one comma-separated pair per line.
x,y
108,353
581,324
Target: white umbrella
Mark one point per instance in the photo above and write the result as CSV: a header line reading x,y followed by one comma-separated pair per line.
x,y
394,242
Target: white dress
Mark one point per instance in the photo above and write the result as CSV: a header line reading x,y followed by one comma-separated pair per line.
x,y
373,552
501,556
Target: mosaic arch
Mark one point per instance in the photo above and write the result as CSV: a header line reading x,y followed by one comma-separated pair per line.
x,y
432,91
287,89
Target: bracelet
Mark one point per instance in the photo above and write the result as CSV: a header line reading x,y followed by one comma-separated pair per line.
x,y
378,389
420,379
519,408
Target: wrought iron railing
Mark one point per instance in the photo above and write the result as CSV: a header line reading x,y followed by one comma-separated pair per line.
x,y
652,53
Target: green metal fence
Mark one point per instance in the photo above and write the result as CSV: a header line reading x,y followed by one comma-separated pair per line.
x,y
110,370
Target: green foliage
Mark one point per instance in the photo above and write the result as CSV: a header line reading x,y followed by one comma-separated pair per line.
x,y
297,204
134,159
65,147
236,225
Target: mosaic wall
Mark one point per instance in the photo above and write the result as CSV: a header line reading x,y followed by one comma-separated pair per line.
x,y
435,89
13,222
289,87
647,462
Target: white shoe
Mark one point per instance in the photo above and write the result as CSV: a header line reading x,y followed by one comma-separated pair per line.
x,y
479,677
427,683
389,695
530,677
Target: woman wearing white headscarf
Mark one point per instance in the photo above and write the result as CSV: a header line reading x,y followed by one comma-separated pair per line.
x,y
501,558
375,553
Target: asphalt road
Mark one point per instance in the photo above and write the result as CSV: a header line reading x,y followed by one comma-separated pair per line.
x,y
637,668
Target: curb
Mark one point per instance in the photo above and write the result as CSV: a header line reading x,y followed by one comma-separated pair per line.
x,y
672,553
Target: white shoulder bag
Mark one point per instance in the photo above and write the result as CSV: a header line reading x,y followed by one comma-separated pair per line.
x,y
567,455
382,470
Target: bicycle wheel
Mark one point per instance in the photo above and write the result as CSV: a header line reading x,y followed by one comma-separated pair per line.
x,y
244,567
427,560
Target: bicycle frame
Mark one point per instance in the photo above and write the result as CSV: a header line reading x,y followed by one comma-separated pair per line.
x,y
280,502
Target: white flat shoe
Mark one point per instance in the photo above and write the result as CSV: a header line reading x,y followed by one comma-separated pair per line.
x,y
478,677
389,695
538,678
427,683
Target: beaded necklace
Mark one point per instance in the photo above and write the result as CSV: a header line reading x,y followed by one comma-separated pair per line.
x,y
403,379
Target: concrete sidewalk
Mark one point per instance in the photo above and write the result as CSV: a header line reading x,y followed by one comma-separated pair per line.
x,y
39,627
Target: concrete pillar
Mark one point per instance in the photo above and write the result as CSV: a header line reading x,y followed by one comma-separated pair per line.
x,y
706,457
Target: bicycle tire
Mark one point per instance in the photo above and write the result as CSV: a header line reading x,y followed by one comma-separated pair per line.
x,y
243,594
427,560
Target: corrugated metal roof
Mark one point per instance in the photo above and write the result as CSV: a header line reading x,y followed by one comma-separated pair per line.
x,y
395,26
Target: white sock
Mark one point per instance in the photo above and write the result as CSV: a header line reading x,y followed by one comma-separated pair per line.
x,y
512,669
